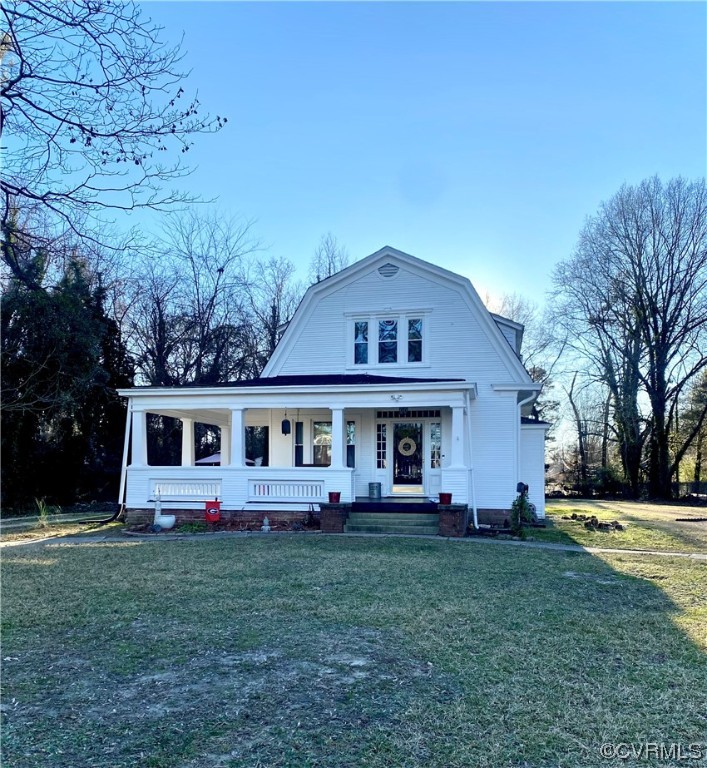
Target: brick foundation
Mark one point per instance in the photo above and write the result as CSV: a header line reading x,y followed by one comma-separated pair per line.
x,y
245,520
453,519
333,517
495,517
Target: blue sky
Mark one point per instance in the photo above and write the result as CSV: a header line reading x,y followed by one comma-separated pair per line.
x,y
474,135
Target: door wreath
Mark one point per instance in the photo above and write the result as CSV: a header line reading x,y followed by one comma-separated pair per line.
x,y
407,446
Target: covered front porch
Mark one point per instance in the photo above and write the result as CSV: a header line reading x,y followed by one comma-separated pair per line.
x,y
285,447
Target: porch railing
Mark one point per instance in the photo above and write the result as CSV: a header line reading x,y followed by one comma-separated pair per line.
x,y
193,490
285,490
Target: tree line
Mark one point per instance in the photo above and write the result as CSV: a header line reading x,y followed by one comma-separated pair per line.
x,y
629,313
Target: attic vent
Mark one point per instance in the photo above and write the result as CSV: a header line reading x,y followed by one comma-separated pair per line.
x,y
388,270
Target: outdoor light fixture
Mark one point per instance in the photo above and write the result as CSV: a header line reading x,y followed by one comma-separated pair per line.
x,y
286,426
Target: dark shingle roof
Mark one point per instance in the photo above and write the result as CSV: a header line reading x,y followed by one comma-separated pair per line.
x,y
318,380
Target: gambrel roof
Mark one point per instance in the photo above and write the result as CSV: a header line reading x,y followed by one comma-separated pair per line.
x,y
387,261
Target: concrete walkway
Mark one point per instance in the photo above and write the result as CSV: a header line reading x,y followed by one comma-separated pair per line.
x,y
122,538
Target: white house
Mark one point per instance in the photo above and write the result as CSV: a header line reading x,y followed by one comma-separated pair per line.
x,y
391,371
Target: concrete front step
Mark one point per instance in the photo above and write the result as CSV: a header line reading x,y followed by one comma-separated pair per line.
x,y
386,518
418,530
385,522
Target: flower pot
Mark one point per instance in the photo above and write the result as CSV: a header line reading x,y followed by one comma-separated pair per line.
x,y
334,497
445,498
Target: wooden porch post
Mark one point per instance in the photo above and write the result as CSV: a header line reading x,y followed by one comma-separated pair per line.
x,y
188,450
139,441
338,442
457,436
237,456
225,446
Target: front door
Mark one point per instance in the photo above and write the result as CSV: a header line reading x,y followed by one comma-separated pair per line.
x,y
407,457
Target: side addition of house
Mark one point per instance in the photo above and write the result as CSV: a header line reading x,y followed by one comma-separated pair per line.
x,y
391,372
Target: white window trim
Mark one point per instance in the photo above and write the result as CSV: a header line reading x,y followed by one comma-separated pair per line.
x,y
402,318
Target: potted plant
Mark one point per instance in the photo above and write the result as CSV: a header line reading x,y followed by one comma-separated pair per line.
x,y
445,498
334,497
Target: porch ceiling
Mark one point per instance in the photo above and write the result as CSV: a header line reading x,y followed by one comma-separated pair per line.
x,y
219,418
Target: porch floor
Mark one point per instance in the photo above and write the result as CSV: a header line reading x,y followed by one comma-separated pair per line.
x,y
394,505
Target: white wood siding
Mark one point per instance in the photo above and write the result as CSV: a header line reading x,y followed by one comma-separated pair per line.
x,y
495,454
458,345
532,464
509,334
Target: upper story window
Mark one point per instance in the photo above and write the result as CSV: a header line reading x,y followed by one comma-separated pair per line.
x,y
415,340
387,341
396,340
361,342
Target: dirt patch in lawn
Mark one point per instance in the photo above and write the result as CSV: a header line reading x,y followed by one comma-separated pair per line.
x,y
241,702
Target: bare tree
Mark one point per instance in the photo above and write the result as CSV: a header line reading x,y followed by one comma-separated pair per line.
x,y
540,351
633,300
694,421
91,102
273,296
189,315
328,259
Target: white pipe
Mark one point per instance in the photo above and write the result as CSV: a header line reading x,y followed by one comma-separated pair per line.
x,y
471,462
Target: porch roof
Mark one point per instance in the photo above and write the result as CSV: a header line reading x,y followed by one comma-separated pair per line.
x,y
312,380
214,403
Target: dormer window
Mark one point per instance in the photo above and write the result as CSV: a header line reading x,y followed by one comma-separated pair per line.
x,y
397,340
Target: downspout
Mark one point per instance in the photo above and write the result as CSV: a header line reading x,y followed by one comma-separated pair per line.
x,y
471,461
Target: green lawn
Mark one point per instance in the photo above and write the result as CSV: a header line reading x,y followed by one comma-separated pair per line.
x,y
34,531
307,650
647,526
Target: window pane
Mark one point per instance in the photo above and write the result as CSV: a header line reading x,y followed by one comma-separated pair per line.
x,y
321,439
381,446
387,341
435,445
360,342
415,340
351,444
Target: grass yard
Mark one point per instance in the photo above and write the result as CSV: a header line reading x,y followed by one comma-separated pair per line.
x,y
647,525
308,650
36,531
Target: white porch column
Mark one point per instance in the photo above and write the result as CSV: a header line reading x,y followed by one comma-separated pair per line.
x,y
237,457
457,436
225,446
188,454
338,439
139,441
